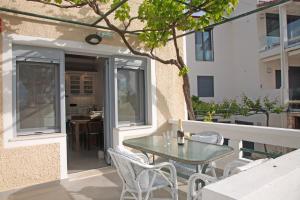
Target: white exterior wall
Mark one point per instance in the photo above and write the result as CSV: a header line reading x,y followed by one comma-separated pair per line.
x,y
240,66
221,68
235,57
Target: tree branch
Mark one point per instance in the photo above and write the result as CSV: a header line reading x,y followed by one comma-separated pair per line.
x,y
59,5
122,34
179,58
129,22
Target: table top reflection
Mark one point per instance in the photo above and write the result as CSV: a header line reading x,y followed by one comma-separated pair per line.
x,y
192,152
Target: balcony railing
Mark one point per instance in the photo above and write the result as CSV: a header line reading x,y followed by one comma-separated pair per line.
x,y
294,94
269,42
294,32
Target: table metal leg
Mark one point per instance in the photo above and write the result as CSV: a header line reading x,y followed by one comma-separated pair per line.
x,y
204,168
77,137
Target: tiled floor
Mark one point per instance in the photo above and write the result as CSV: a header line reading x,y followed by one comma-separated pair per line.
x,y
101,185
84,160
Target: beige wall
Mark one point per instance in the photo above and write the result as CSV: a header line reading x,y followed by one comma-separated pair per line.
x,y
28,165
37,164
170,99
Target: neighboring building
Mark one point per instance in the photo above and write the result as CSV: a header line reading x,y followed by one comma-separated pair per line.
x,y
50,74
247,56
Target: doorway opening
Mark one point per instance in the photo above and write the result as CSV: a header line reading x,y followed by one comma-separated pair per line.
x,y
85,102
297,122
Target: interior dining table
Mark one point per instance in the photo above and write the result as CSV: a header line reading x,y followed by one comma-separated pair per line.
x,y
77,123
192,152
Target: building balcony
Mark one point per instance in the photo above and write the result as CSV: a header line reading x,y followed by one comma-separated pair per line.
x,y
293,33
294,94
294,100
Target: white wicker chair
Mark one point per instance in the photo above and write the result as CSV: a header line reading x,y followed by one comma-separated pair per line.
x,y
207,137
198,181
140,179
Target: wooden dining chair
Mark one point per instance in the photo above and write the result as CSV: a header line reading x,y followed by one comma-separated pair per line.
x,y
94,130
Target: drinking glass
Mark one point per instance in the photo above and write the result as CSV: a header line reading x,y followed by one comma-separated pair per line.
x,y
164,138
168,137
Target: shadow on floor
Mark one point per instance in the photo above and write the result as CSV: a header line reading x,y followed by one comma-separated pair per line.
x,y
84,160
102,187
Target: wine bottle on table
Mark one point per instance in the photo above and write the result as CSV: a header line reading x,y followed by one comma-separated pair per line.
x,y
180,133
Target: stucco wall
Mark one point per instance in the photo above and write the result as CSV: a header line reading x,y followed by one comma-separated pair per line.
x,y
40,163
170,99
28,165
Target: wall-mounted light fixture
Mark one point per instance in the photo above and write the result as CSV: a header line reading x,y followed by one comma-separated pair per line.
x,y
269,70
93,39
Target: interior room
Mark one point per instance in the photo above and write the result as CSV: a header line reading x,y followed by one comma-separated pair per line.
x,y
84,84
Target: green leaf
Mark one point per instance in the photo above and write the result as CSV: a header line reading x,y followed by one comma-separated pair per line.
x,y
183,71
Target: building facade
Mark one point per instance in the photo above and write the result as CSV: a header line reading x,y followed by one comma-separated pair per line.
x,y
38,81
257,55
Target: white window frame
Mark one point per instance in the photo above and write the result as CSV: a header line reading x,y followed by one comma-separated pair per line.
x,y
204,49
11,138
42,130
145,91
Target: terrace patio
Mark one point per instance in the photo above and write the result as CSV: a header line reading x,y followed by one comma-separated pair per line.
x,y
275,179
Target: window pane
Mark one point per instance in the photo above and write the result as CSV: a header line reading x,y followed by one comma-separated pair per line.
x,y
75,84
278,79
131,106
272,21
36,95
88,85
207,45
199,45
203,45
205,86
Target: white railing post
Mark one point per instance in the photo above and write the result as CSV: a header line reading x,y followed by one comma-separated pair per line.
x,y
236,145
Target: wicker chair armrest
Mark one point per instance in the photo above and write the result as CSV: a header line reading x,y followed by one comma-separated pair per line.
x,y
199,180
171,177
143,157
167,165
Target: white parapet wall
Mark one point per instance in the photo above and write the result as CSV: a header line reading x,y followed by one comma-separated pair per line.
x,y
276,179
237,133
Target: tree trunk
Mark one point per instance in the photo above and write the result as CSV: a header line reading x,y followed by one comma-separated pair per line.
x,y
268,119
187,95
267,123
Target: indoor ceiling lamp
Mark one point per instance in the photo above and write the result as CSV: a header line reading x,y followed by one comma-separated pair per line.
x,y
93,39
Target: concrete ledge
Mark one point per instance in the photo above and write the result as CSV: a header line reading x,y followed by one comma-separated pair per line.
x,y
273,180
37,137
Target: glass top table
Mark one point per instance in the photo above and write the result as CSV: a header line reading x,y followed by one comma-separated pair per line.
x,y
192,152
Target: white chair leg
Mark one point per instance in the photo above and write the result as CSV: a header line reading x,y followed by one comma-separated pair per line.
x,y
174,194
213,172
122,195
140,196
148,195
